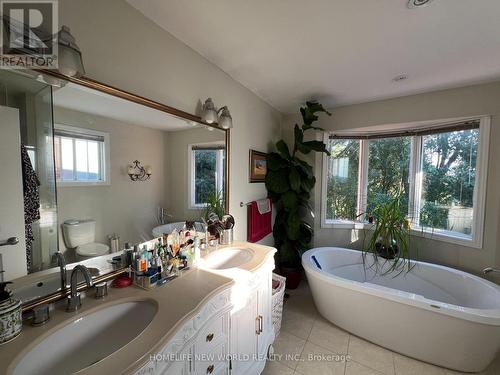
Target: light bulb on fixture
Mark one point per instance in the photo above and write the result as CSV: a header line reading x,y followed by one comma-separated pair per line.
x,y
209,114
69,55
225,119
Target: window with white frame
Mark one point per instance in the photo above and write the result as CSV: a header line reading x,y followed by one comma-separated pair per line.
x,y
207,172
81,156
437,170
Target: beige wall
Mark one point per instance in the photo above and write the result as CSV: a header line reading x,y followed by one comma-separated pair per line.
x,y
178,176
469,101
124,49
124,207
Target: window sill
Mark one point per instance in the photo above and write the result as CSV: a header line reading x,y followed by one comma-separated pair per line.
x,y
431,234
197,206
61,184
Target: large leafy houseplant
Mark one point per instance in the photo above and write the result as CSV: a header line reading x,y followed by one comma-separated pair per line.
x,y
390,238
289,182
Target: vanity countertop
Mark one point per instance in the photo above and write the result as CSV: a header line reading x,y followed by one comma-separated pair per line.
x,y
178,301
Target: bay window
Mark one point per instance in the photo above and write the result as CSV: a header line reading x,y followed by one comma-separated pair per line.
x,y
437,170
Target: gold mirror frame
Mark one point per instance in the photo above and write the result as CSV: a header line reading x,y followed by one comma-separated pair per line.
x,y
99,86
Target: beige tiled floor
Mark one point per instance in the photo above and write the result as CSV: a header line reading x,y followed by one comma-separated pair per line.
x,y
310,345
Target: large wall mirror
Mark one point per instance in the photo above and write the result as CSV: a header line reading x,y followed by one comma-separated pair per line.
x,y
71,155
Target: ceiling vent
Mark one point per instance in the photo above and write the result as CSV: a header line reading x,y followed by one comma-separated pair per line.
x,y
418,3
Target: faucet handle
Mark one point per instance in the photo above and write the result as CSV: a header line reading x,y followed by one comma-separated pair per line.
x,y
41,315
101,290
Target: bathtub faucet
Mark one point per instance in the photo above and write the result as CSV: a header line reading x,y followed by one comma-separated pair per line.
x,y
490,269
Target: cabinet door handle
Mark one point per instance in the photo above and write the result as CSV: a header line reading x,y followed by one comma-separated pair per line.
x,y
261,324
210,369
210,337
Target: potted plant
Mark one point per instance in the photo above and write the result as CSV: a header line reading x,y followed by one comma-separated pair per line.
x,y
215,204
289,182
390,237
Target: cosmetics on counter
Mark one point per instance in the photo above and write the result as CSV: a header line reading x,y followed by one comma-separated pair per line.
x,y
163,259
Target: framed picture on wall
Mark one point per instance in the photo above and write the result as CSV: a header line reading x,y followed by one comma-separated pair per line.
x,y
258,166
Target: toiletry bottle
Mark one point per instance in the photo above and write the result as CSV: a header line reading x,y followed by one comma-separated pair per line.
x,y
197,253
175,242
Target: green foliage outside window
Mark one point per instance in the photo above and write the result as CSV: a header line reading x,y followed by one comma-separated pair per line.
x,y
448,170
205,174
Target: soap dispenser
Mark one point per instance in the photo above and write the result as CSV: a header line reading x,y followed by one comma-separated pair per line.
x,y
11,322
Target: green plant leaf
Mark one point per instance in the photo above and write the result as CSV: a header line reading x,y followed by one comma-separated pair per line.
x,y
275,161
304,167
277,181
307,184
306,233
309,113
303,148
294,177
315,106
305,195
298,134
308,117
317,146
293,228
282,148
290,200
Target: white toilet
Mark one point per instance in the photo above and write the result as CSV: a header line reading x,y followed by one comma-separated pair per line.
x,y
80,235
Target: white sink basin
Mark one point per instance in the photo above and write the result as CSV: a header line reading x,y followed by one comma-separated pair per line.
x,y
88,339
229,257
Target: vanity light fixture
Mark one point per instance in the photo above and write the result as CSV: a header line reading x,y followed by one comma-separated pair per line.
x,y
69,55
137,172
222,116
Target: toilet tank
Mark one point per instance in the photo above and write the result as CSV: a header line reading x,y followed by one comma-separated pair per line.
x,y
78,232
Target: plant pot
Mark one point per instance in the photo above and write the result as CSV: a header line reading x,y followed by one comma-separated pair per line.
x,y
389,252
293,276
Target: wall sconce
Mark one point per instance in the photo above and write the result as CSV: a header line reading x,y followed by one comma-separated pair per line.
x,y
137,172
70,56
222,116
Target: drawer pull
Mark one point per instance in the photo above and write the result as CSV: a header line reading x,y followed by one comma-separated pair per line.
x,y
210,369
210,337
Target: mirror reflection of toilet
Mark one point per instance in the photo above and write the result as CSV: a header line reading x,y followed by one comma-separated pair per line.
x,y
80,236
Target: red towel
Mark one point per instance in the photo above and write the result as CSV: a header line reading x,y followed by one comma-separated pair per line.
x,y
259,225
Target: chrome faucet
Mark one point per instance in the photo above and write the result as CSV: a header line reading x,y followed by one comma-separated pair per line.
x,y
74,299
491,269
60,261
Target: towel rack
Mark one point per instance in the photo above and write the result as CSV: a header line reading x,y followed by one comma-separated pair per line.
x,y
249,203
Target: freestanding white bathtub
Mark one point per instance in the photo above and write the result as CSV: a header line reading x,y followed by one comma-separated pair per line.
x,y
433,313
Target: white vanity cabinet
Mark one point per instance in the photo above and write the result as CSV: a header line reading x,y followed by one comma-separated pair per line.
x,y
200,345
230,334
251,326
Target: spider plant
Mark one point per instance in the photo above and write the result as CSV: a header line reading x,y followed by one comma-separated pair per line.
x,y
215,204
390,239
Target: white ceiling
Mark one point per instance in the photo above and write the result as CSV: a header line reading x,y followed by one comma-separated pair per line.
x,y
83,99
338,51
